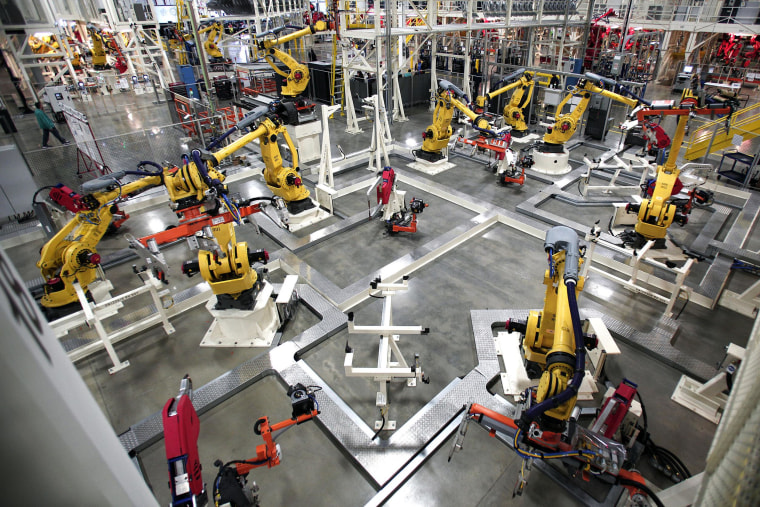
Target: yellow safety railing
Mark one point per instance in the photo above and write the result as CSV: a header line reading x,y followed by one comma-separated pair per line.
x,y
745,122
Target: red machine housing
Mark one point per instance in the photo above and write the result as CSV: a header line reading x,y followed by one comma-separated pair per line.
x,y
181,430
615,408
385,188
64,196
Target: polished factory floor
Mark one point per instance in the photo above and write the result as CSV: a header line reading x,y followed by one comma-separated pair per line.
x,y
501,268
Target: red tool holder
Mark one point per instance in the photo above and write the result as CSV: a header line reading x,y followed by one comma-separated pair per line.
x,y
194,220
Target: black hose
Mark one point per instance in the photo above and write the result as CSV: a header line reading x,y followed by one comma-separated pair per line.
x,y
381,427
580,361
675,459
270,199
153,164
34,197
683,307
643,487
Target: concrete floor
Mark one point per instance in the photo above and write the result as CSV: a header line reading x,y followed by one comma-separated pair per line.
x,y
500,268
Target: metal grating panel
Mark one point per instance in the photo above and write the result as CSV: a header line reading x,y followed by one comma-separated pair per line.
x,y
701,244
747,217
715,277
736,252
658,344
150,429
296,244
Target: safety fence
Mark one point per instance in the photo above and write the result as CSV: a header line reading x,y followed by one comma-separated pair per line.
x,y
71,166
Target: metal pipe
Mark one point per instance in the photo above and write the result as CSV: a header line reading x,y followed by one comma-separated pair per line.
x,y
201,57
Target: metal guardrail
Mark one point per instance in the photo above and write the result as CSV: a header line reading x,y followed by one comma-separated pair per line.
x,y
712,135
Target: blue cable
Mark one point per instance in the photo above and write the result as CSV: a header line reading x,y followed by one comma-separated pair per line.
x,y
233,210
315,401
551,263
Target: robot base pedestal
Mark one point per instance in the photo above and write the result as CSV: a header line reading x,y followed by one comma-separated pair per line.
x,y
306,139
431,168
244,328
515,380
307,218
551,163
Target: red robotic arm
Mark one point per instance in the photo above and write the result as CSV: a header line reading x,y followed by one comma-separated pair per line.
x,y
229,485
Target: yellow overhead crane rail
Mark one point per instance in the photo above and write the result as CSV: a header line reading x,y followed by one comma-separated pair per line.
x,y
745,122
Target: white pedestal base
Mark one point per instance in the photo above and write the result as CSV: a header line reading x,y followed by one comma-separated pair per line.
x,y
514,380
306,218
551,163
306,138
244,328
431,168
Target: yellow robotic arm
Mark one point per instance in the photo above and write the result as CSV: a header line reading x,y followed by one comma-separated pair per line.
x,y
297,77
99,60
228,269
565,125
523,83
71,255
553,339
657,213
438,134
284,182
210,44
47,44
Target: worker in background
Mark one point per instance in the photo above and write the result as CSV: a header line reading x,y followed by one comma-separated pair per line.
x,y
47,126
657,141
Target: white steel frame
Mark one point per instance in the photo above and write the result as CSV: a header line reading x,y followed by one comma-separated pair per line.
x,y
391,365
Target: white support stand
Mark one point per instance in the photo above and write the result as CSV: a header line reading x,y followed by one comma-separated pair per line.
x,y
515,380
635,262
306,218
707,399
391,365
635,164
381,135
398,101
95,319
746,303
325,188
396,201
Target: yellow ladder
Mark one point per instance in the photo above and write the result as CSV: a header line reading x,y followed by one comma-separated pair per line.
x,y
336,78
745,122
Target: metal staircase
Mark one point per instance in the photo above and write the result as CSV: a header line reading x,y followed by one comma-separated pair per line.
x,y
714,136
